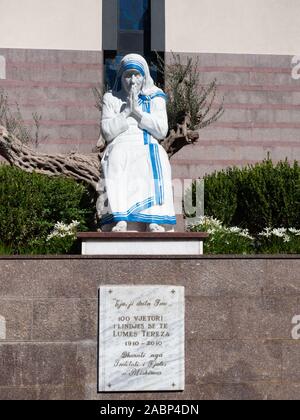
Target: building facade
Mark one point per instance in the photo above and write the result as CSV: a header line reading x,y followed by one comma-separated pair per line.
x,y
53,53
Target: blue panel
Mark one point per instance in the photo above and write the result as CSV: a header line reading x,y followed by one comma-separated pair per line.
x,y
133,14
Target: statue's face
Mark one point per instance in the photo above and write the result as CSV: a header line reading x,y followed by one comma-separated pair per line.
x,y
132,79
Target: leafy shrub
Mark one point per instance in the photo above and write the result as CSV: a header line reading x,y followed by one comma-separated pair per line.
x,y
234,240
278,241
256,196
31,204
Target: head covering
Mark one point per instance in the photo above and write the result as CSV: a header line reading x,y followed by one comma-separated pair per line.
x,y
136,62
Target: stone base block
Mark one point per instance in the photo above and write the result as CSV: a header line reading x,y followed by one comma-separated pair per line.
x,y
142,243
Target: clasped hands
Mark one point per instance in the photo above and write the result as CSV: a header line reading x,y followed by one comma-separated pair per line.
x,y
132,106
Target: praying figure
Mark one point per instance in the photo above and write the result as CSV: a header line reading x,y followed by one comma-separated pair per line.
x,y
136,168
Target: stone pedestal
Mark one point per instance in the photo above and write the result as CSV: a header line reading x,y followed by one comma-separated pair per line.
x,y
142,243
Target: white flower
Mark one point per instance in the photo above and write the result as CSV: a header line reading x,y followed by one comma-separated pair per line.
x,y
211,231
294,231
245,234
74,224
61,230
279,232
206,223
209,221
234,229
267,233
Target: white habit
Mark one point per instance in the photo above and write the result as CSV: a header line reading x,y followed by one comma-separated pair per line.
x,y
136,168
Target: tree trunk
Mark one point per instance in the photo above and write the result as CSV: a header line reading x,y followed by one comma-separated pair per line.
x,y
180,137
82,168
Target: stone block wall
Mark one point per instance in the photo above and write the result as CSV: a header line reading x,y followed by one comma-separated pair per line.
x,y
58,85
262,113
239,315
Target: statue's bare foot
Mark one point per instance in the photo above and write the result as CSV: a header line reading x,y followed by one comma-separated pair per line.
x,y
120,227
154,227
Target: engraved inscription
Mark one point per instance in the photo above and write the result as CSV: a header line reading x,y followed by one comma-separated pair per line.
x,y
141,338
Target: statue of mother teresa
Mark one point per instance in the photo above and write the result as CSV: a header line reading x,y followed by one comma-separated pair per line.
x,y
136,169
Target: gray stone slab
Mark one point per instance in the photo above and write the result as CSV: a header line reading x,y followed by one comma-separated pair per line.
x,y
283,279
64,319
291,361
37,364
233,361
235,278
17,393
266,317
51,278
84,369
209,318
16,320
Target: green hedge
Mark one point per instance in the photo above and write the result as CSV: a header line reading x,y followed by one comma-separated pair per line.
x,y
255,197
31,204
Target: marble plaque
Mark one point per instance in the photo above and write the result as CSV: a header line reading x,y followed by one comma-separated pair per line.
x,y
141,338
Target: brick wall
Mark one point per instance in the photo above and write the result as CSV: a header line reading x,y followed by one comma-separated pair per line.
x,y
238,325
58,85
262,113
